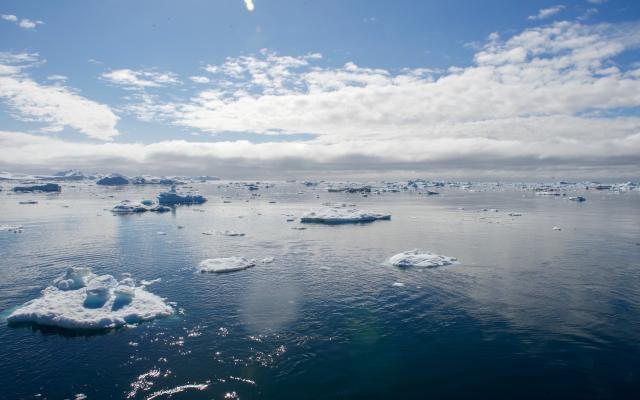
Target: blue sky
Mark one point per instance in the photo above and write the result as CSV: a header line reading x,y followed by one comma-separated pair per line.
x,y
155,72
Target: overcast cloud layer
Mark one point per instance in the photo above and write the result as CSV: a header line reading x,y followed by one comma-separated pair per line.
x,y
551,98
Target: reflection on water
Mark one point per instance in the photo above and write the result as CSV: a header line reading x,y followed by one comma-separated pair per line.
x,y
528,312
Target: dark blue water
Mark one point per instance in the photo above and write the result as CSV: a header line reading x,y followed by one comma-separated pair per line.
x,y
528,313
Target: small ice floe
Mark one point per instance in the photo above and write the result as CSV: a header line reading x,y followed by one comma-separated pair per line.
x,y
225,264
579,199
223,233
420,258
515,214
133,207
397,284
150,281
231,233
298,228
161,233
28,202
557,228
340,215
80,299
11,228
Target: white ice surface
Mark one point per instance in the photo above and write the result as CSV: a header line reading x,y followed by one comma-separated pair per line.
x,y
420,258
225,264
341,214
82,300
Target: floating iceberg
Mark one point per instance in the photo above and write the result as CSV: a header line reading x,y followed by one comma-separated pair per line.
x,y
579,199
47,187
341,214
113,180
420,258
81,299
132,207
226,264
171,197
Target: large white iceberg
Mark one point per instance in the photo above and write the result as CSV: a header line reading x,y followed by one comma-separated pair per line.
x,y
81,299
225,264
340,214
420,258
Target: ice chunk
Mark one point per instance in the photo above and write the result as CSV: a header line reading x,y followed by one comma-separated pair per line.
x,y
82,300
341,214
557,228
129,207
225,264
420,258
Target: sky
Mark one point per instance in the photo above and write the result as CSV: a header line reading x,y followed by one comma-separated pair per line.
x,y
245,89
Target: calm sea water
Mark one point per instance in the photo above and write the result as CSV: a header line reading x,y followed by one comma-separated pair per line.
x,y
528,313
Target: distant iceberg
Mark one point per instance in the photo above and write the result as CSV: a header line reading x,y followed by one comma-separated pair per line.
x,y
47,187
171,197
81,299
132,207
420,258
225,264
113,180
341,214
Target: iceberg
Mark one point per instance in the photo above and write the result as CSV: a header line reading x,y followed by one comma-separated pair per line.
x,y
171,197
225,264
132,207
113,180
48,187
341,214
80,299
420,258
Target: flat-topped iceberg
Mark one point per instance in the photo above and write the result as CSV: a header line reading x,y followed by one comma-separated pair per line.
x,y
132,207
341,214
80,299
47,187
420,258
225,264
171,197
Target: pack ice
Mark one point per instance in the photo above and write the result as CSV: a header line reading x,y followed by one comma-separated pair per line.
x,y
80,299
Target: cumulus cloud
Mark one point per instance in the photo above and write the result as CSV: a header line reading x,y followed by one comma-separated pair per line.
x,y
24,23
548,93
546,12
140,79
56,106
9,17
199,79
249,5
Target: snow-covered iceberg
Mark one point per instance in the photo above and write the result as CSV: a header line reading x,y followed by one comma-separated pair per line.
x,y
420,258
225,264
341,214
171,197
80,299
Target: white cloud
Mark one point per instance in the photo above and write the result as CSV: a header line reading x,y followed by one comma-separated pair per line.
x,y
546,12
199,79
57,78
597,1
249,5
29,24
140,79
57,106
9,17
